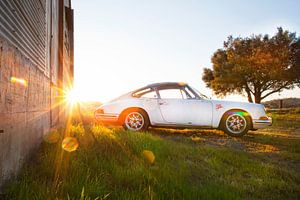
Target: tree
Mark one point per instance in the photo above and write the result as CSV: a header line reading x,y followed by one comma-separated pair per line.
x,y
255,66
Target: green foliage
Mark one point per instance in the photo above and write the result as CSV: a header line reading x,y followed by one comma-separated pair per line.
x,y
257,66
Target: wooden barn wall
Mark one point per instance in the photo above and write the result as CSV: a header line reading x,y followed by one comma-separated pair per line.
x,y
35,49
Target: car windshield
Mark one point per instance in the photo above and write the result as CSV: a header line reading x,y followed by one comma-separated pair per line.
x,y
202,96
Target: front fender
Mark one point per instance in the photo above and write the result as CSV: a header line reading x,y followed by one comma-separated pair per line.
x,y
255,111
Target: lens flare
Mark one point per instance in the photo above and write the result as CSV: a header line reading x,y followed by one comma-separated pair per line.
x,y
149,156
52,137
70,144
239,113
20,81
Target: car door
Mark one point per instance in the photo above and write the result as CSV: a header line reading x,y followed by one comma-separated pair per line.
x,y
198,109
198,112
172,107
149,102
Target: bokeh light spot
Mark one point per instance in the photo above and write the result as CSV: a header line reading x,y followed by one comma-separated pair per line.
x,y
149,156
20,81
70,144
52,137
196,138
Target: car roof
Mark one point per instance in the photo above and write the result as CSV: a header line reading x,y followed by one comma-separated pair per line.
x,y
162,84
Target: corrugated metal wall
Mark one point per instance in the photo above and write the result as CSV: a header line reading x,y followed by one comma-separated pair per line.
x,y
23,23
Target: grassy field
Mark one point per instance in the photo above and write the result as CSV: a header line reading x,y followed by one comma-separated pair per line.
x,y
286,118
189,164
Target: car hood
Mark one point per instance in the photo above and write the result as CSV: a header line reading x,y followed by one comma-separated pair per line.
x,y
236,104
232,102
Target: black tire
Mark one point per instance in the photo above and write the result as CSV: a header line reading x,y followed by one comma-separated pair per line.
x,y
236,124
141,120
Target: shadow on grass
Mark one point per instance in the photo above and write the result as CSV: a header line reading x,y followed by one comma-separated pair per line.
x,y
256,141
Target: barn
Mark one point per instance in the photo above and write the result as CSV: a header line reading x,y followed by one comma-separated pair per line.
x,y
36,68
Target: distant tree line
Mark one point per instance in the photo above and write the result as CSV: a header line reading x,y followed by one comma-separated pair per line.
x,y
285,103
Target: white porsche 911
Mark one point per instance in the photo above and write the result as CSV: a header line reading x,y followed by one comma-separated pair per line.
x,y
178,105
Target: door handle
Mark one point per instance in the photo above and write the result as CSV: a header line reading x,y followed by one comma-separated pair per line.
x,y
162,103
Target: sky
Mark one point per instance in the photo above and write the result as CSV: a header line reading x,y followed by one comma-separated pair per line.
x,y
123,45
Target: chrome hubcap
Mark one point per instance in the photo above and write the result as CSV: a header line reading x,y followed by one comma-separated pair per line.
x,y
236,123
134,121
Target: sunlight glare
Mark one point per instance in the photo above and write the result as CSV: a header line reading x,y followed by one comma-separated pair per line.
x,y
72,96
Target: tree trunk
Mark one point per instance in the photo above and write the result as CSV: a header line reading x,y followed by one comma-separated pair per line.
x,y
249,95
250,98
257,98
257,92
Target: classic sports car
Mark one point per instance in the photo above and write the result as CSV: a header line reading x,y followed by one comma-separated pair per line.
x,y
178,105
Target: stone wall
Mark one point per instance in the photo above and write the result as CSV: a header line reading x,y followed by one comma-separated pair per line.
x,y
24,109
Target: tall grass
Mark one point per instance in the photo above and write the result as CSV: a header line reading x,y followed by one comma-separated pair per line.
x,y
113,167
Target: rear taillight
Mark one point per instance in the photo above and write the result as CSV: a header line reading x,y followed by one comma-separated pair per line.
x,y
99,111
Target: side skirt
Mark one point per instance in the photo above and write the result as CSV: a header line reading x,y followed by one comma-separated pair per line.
x,y
181,126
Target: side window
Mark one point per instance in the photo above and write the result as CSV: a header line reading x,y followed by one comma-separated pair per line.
x,y
184,94
190,94
145,93
171,94
151,95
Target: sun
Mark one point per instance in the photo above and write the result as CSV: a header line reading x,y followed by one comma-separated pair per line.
x,y
72,96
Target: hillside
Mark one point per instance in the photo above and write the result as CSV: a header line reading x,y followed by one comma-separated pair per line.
x,y
286,103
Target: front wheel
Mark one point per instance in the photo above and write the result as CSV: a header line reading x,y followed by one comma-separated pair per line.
x,y
235,124
135,120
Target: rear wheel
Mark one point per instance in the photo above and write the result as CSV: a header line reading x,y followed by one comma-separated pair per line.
x,y
135,120
235,124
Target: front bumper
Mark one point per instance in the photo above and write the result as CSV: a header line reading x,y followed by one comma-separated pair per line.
x,y
258,123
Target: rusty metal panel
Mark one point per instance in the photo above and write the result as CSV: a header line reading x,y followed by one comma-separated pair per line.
x,y
67,3
54,26
23,24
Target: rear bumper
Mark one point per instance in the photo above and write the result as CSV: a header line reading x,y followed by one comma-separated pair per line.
x,y
258,124
107,118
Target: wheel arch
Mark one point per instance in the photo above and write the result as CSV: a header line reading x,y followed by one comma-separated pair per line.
x,y
122,115
236,110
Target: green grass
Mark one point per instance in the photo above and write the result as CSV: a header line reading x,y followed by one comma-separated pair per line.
x,y
286,118
113,167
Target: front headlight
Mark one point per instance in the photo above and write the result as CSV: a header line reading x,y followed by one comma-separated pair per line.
x,y
264,108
